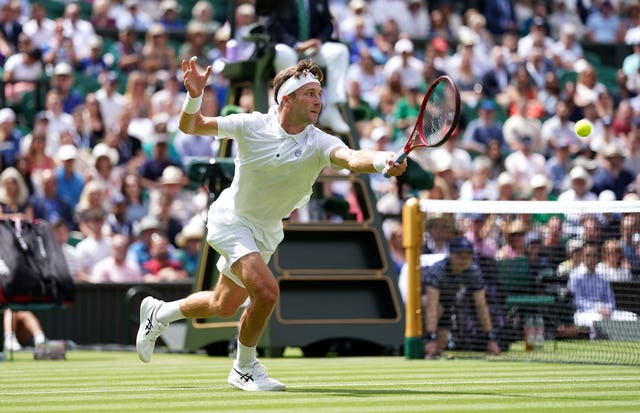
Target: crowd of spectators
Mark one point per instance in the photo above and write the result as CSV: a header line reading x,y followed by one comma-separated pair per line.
x,y
105,163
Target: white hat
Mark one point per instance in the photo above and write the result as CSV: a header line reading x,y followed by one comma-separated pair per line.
x,y
172,175
607,195
467,36
189,231
539,180
7,115
578,172
66,152
170,5
403,46
95,42
443,162
505,178
102,149
63,68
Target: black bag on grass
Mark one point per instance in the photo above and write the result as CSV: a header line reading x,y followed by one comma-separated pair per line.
x,y
32,266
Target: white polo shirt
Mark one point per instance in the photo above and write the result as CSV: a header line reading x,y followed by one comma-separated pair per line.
x,y
274,171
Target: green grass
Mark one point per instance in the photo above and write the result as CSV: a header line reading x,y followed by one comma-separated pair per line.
x,y
117,382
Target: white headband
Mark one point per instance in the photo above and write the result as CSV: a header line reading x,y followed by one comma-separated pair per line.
x,y
292,84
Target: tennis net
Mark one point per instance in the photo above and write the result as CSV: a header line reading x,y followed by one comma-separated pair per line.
x,y
537,261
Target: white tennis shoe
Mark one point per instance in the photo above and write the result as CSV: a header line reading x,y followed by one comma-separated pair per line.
x,y
11,343
253,377
150,328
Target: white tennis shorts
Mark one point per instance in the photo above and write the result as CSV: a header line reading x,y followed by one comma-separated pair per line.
x,y
234,238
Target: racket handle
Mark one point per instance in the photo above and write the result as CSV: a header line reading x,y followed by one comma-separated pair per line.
x,y
400,157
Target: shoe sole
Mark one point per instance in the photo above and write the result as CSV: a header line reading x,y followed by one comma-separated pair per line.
x,y
146,304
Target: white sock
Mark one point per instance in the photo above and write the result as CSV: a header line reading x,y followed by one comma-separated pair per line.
x,y
169,312
245,354
39,338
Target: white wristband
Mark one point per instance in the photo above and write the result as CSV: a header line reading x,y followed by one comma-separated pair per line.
x,y
380,161
192,105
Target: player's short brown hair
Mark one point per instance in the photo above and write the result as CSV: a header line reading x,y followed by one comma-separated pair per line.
x,y
306,65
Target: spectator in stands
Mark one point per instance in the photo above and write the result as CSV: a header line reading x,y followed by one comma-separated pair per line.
x,y
593,297
9,137
111,101
162,209
89,123
357,24
442,283
138,251
78,29
36,156
496,78
93,63
93,196
553,242
101,16
70,182
203,13
501,16
126,52
611,174
614,266
370,77
439,231
161,267
21,327
197,43
158,56
480,233
115,267
39,28
483,128
514,246
58,121
10,26
629,231
137,203
539,264
507,189
580,190
561,17
105,171
61,231
479,186
117,217
170,16
21,70
189,243
130,153
132,16
151,169
95,245
14,196
314,39
405,63
49,206
168,99
567,51
137,97
574,258
540,190
559,127
62,82
603,25
524,163
59,48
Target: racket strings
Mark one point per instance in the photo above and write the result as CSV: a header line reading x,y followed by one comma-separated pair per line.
x,y
439,114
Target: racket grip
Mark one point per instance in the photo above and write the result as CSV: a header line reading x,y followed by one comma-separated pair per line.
x,y
400,157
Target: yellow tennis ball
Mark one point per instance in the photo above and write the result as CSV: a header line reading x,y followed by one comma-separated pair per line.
x,y
583,128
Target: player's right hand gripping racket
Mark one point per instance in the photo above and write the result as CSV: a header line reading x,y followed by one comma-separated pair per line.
x,y
437,119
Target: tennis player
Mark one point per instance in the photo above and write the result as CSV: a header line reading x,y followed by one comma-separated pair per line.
x,y
280,155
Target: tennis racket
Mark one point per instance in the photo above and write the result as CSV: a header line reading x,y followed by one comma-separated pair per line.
x,y
437,119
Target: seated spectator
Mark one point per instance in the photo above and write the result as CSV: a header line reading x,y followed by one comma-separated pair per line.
x,y
104,170
137,202
126,52
95,246
62,82
603,24
19,328
442,284
48,205
138,251
170,15
158,56
189,242
115,268
204,13
614,267
574,258
612,174
14,196
162,209
482,129
93,196
10,137
593,297
70,182
94,63
514,241
61,231
117,216
152,167
37,157
21,70
480,186
161,267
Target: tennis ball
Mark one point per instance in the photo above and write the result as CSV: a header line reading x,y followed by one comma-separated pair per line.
x,y
583,128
